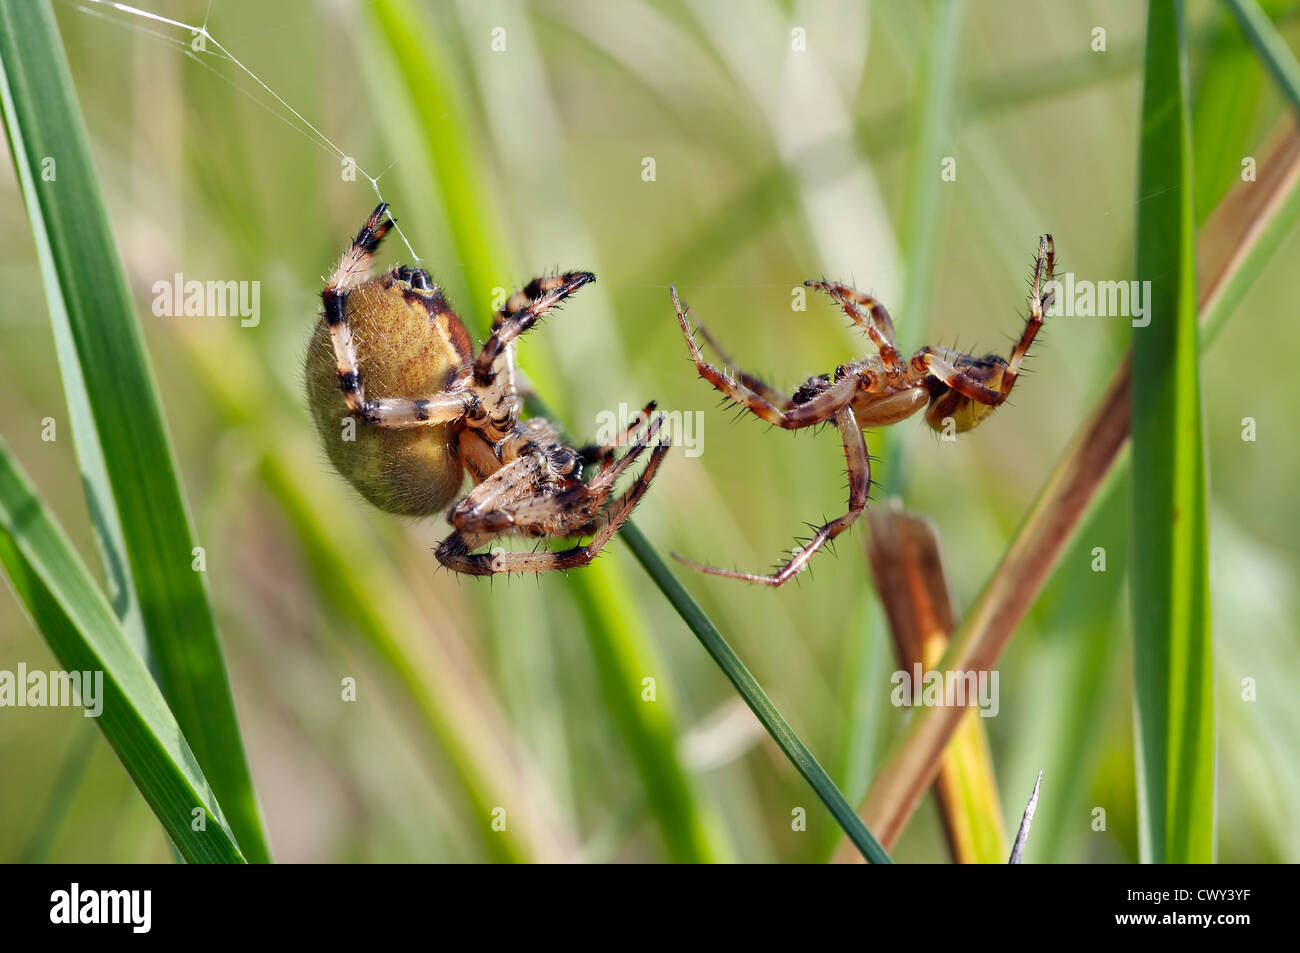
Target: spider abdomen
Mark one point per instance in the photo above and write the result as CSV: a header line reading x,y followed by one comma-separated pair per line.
x,y
408,342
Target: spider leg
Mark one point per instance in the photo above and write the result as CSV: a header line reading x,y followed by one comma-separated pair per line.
x,y
876,321
352,271
478,455
550,291
603,453
1044,267
581,509
927,362
766,391
508,371
607,476
819,408
557,516
402,413
859,469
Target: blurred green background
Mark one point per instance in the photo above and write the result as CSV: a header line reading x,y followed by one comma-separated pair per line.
x,y
772,164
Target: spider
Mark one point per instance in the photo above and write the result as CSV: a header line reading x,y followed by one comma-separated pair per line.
x,y
405,409
960,390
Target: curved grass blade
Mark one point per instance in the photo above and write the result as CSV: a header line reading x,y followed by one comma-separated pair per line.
x,y
1173,659
78,624
97,317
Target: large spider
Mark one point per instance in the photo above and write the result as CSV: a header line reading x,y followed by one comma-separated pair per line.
x,y
405,408
876,391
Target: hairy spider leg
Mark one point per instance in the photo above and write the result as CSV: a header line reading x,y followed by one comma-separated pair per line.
x,y
494,368
602,454
859,470
928,361
1044,269
573,511
820,408
354,271
876,322
759,387
553,290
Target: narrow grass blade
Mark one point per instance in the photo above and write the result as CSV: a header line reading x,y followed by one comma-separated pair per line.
x,y
90,456
77,622
1173,656
97,317
1271,48
1022,835
756,699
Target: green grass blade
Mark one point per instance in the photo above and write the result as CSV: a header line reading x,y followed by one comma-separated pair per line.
x,y
1227,92
97,317
1170,568
109,538
930,140
1270,46
756,698
77,622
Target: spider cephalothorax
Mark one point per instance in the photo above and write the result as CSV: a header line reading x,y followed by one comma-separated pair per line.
x,y
405,409
958,391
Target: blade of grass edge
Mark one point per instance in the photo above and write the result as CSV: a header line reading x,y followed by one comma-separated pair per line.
x,y
67,607
1173,658
754,696
98,317
1270,47
90,456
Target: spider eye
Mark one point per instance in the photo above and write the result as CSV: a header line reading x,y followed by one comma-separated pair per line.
x,y
565,462
417,278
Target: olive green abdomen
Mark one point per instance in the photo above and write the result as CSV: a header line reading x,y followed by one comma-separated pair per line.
x,y
409,344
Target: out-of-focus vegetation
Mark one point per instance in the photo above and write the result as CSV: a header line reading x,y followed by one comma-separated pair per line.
x,y
787,141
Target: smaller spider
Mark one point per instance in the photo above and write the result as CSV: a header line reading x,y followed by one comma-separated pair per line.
x,y
876,391
405,409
